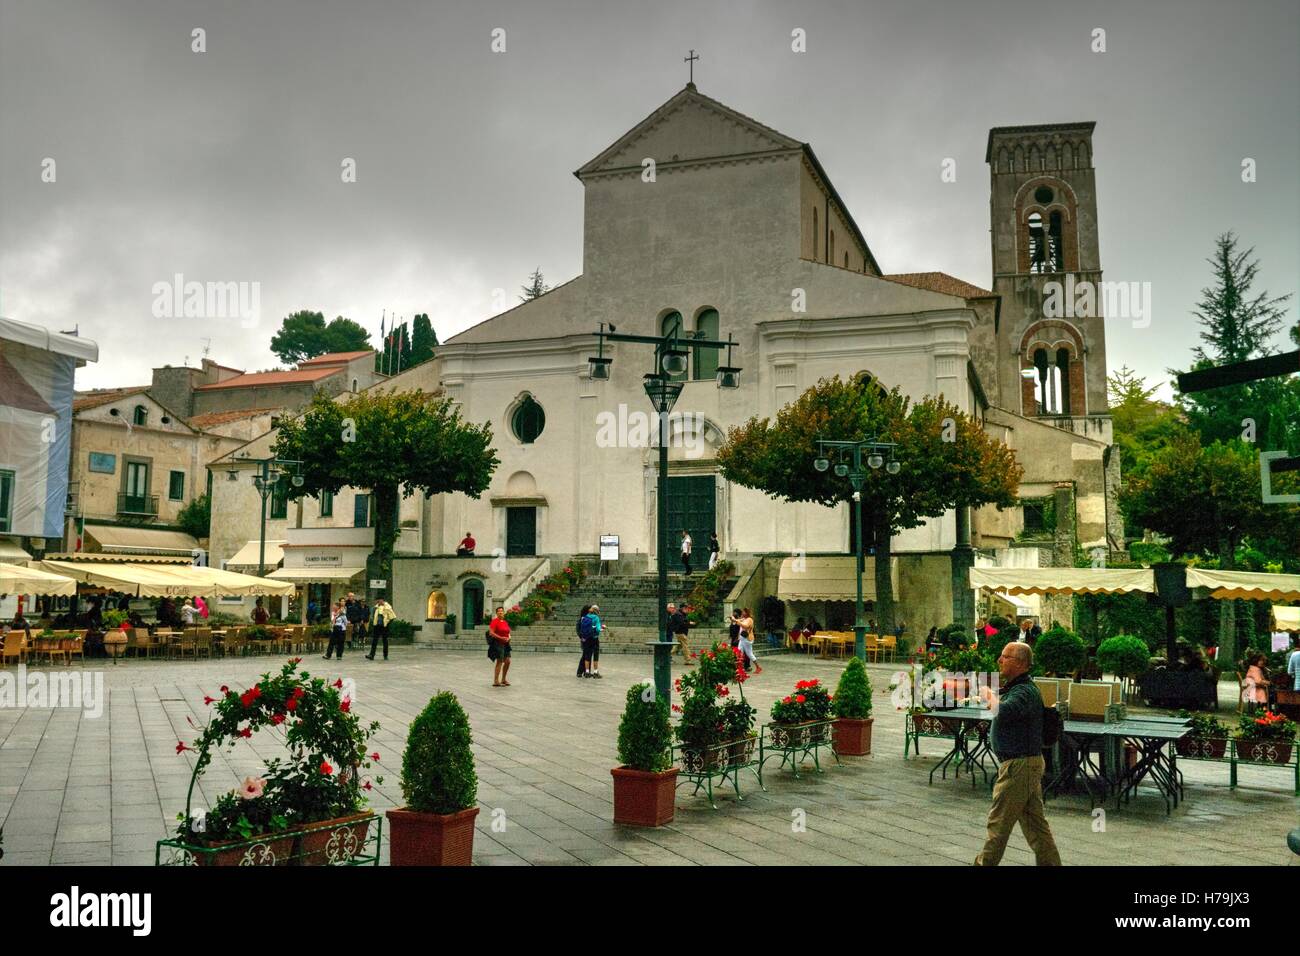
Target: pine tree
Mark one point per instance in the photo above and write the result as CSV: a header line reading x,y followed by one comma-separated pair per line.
x,y
1236,326
423,339
536,286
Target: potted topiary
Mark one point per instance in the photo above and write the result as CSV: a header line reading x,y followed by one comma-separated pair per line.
x,y
644,785
1060,653
852,709
449,624
1125,656
436,827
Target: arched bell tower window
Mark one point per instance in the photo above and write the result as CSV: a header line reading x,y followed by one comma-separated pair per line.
x,y
671,324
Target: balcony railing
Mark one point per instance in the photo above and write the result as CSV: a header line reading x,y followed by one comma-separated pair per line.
x,y
137,504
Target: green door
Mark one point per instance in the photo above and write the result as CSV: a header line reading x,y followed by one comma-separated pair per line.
x,y
471,611
521,532
691,506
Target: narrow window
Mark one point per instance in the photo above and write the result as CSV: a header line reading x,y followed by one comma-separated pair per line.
x,y
176,485
1042,382
141,416
361,511
1037,244
706,360
6,500
815,232
1063,381
327,504
279,502
671,324
830,248
1055,250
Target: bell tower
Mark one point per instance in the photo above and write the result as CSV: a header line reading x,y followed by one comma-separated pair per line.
x,y
1047,269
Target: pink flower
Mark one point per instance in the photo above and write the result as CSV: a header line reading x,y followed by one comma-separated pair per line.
x,y
251,787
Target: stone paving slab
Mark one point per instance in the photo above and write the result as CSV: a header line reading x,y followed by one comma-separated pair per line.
x,y
77,790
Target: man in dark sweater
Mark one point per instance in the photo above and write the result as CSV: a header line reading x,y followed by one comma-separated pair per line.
x,y
1017,735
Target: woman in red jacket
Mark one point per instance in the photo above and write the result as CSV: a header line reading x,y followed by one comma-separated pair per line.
x,y
500,631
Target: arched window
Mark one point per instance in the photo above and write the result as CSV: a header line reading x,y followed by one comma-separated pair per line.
x,y
815,232
1055,250
437,609
672,324
354,385
528,420
706,360
1063,381
846,260
140,416
1037,244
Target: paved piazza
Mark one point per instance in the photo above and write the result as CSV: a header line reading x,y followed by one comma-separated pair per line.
x,y
101,791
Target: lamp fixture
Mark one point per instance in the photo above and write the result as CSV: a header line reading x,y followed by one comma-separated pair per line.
x,y
893,468
875,459
821,464
674,361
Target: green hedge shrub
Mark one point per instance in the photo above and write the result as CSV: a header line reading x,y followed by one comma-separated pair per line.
x,y
1060,652
644,734
1124,656
438,765
853,692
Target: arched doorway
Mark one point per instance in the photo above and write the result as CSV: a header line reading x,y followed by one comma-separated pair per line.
x,y
437,609
471,604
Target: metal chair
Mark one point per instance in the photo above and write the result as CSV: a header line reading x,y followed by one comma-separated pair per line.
x,y
203,641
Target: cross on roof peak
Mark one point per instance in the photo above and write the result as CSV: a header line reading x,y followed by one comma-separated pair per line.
x,y
690,62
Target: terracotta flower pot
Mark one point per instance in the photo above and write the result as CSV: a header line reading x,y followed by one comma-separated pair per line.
x,y
431,839
1209,747
643,798
1265,751
853,736
333,841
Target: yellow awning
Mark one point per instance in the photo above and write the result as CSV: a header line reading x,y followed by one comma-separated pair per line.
x,y
828,579
246,557
15,579
11,551
315,575
1063,580
1286,618
1248,585
134,579
215,582
145,540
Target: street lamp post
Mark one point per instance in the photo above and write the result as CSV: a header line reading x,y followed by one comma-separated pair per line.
x,y
270,475
671,358
850,464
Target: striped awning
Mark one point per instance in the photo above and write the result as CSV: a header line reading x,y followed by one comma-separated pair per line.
x,y
1063,580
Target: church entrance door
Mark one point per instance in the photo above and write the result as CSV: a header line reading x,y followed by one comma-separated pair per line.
x,y
692,505
521,532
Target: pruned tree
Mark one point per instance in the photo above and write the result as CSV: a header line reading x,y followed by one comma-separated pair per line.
x,y
947,460
536,286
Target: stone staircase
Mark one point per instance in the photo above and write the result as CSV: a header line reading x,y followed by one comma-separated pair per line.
x,y
628,609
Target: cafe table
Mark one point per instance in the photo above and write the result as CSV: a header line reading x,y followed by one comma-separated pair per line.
x,y
969,729
1092,753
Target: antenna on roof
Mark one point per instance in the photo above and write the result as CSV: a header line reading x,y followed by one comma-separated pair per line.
x,y
207,346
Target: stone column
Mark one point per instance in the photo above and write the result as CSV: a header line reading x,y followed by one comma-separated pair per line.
x,y
1060,607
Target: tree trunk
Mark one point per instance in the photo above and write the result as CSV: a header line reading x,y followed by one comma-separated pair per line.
x,y
1227,611
380,564
884,582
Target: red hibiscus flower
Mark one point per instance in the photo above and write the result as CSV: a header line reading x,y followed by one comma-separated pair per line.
x,y
298,692
246,732
225,689
181,747
209,701
366,786
346,706
277,719
339,683
375,756
785,700
291,704
325,768
800,698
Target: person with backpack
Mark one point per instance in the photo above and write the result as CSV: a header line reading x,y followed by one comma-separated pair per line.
x,y
593,627
582,627
1018,738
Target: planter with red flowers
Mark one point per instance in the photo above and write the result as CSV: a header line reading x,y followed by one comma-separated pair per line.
x,y
801,725
715,735
1266,738
852,709
307,808
645,784
440,787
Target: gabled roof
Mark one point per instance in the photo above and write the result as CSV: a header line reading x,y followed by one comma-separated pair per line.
x,y
940,282
336,358
763,138
264,379
81,401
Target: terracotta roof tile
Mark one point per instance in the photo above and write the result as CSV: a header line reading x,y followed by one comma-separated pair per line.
x,y
211,419
940,282
262,379
103,396
336,358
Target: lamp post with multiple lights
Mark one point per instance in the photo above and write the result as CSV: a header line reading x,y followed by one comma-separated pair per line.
x,y
671,358
850,463
273,471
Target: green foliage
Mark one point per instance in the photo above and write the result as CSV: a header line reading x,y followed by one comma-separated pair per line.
x,y
536,286
395,356
1143,425
705,720
707,594
400,631
947,460
258,632
305,335
326,746
1266,726
1145,552
960,660
853,692
955,635
438,766
1059,652
810,701
196,517
112,619
991,647
423,339
387,443
1206,726
644,735
1124,656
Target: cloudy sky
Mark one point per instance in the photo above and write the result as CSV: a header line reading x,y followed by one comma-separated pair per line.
x,y
225,165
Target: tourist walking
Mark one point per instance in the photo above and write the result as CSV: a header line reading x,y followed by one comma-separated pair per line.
x,y
733,628
340,619
1293,662
746,642
679,626
582,626
500,631
1017,735
380,618
1255,686
715,550
686,552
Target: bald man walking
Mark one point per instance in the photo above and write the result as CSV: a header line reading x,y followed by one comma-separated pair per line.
x,y
1018,744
